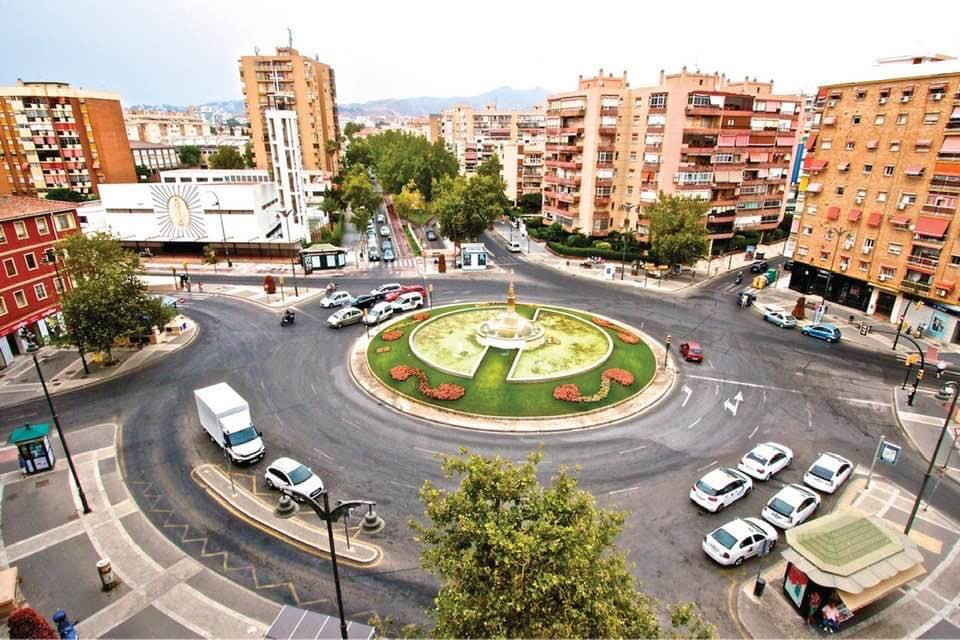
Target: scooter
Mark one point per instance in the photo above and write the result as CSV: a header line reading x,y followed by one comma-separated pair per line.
x,y
739,278
289,317
331,288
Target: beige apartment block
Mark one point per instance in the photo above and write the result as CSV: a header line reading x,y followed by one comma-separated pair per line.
x,y
163,127
881,186
612,148
290,81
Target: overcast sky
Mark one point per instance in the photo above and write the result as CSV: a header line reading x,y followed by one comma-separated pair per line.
x,y
181,52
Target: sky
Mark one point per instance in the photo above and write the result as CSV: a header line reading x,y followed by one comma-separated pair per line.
x,y
180,52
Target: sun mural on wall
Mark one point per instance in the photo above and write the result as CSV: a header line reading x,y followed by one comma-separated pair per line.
x,y
178,211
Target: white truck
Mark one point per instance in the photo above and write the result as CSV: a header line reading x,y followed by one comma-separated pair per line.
x,y
226,417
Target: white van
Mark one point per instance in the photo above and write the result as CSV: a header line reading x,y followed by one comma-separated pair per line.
x,y
380,312
514,246
408,301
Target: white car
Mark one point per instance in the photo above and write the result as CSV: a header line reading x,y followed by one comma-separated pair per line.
x,y
386,288
738,540
289,475
720,488
765,459
380,312
790,506
781,319
385,231
335,299
828,472
408,301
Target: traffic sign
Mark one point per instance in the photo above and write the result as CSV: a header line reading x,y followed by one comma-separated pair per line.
x,y
864,328
888,453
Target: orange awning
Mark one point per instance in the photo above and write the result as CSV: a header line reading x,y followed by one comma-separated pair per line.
x,y
811,143
900,220
947,169
933,227
833,213
813,164
946,285
874,219
951,144
854,215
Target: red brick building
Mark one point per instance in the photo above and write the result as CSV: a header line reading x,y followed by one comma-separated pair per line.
x,y
29,287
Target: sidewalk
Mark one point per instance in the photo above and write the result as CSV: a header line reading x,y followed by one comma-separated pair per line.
x,y
923,422
924,607
63,370
285,297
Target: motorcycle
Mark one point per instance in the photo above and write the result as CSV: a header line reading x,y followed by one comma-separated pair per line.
x,y
288,318
330,288
739,278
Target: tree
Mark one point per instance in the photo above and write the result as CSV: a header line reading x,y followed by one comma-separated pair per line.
x,y
679,235
531,202
351,128
331,145
26,623
248,156
491,167
358,191
189,155
226,157
518,559
143,172
210,256
65,195
408,201
232,122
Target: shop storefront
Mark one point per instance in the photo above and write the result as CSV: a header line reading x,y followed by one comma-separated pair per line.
x,y
323,256
14,341
843,289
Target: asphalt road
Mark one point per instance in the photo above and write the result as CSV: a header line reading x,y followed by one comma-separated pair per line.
x,y
798,391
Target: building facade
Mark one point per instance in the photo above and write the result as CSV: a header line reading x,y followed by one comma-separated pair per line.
x,y
29,284
53,136
612,148
156,157
881,184
164,127
290,81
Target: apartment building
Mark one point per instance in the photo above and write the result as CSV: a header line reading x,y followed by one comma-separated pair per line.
x,y
163,127
881,184
517,137
612,148
290,81
153,156
54,136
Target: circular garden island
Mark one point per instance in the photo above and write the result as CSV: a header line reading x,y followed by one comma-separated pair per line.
x,y
511,360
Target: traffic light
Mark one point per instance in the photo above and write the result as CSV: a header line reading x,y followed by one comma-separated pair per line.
x,y
912,359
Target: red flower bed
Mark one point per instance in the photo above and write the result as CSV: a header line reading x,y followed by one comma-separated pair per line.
x,y
629,338
421,316
567,393
603,323
402,372
445,391
391,335
622,376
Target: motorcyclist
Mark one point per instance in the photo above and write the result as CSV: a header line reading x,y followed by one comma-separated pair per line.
x,y
288,318
739,277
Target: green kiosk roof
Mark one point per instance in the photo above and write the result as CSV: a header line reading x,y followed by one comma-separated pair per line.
x,y
29,432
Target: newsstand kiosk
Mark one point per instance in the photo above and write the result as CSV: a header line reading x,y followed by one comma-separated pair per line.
x,y
33,448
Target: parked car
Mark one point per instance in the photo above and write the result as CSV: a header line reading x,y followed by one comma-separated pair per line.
x,y
788,265
738,540
373,255
781,319
385,231
380,312
765,459
790,506
720,488
828,472
366,301
343,317
386,244
759,266
381,218
288,474
513,246
826,332
407,288
335,299
408,301
388,255
386,288
432,235
691,351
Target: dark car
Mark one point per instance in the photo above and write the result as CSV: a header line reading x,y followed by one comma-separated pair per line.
x,y
373,255
788,265
431,234
759,266
366,301
826,332
691,351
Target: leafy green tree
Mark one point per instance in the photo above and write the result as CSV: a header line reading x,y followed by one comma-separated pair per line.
x,y
530,202
360,217
210,256
351,128
226,157
331,146
397,158
491,167
358,191
248,159
408,201
232,122
65,195
143,172
358,153
679,235
517,559
189,155
555,232
466,207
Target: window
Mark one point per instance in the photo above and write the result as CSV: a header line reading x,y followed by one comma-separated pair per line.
x,y
802,251
855,120
882,196
808,231
633,156
3,236
42,228
955,261
844,263
20,298
63,221
902,118
629,191
634,137
931,118
867,169
887,273
637,103
40,290
908,198
861,194
863,265
824,255
656,120
894,145
21,228
861,94
880,119
894,248
658,101
636,119
839,190
58,285
922,145
722,158
31,261
3,304
10,267
868,244
888,170
811,210
826,144
849,146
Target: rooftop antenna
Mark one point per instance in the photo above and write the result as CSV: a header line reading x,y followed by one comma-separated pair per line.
x,y
256,51
290,37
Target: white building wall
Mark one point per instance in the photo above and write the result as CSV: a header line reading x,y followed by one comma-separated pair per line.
x,y
288,168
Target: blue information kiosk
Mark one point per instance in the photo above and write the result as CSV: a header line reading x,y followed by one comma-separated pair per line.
x,y
33,448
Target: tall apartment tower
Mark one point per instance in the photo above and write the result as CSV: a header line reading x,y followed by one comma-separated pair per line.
x,y
287,163
881,183
612,148
53,136
300,84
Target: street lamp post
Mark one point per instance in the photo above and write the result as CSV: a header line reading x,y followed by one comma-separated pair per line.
x,y
926,477
223,230
50,257
840,231
293,269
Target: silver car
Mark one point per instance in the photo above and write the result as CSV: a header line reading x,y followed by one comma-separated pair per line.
x,y
781,319
345,316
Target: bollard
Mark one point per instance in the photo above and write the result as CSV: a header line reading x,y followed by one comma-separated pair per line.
x,y
371,522
759,586
107,579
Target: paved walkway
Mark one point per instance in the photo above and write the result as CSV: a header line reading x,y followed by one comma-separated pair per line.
x,y
284,298
926,607
63,370
923,423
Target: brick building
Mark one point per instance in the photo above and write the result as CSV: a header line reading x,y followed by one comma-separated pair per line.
x,y
29,286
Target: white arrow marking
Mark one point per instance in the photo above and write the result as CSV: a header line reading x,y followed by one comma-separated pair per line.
x,y
687,390
707,466
730,406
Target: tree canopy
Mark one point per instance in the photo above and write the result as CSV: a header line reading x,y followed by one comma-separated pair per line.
x,y
465,207
360,194
189,155
65,195
399,158
248,156
677,230
351,128
226,157
520,560
408,201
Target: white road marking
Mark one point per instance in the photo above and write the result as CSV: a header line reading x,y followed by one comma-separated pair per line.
x,y
707,361
261,385
324,455
688,391
428,451
872,403
922,419
753,432
730,406
405,486
716,390
610,493
696,422
745,384
707,466
352,424
312,386
809,418
643,446
764,396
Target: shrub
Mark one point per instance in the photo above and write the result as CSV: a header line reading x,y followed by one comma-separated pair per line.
x,y
602,323
622,376
577,240
737,243
602,244
586,252
27,623
269,285
391,335
421,316
402,372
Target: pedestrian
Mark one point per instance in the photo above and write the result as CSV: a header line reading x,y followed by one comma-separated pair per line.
x,y
813,608
199,286
941,367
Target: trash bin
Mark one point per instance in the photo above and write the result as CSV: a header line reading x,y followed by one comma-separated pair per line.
x,y
759,586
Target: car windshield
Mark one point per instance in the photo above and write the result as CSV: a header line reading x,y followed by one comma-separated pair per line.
x,y
821,472
707,489
695,350
781,507
243,436
300,474
753,455
723,537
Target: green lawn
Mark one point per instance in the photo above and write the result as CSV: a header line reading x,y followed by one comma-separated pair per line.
x,y
488,392
413,244
420,217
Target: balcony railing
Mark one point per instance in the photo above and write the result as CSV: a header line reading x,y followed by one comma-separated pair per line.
x,y
939,211
927,241
915,285
569,198
553,179
921,260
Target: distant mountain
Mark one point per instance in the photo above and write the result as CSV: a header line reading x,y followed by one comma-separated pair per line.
x,y
503,97
233,107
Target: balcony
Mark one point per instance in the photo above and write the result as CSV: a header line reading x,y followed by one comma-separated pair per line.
x,y
939,210
562,213
607,131
703,110
608,111
601,201
563,148
563,164
926,241
565,131
923,261
916,285
950,183
604,164
604,182
554,179
571,112
560,196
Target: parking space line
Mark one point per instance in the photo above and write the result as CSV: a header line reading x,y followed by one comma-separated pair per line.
x,y
695,423
707,466
643,446
753,432
616,491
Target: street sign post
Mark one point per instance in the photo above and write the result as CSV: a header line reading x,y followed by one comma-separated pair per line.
x,y
886,452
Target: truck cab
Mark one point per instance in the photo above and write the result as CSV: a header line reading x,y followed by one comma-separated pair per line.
x,y
225,416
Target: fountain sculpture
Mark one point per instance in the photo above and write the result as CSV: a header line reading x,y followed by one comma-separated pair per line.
x,y
509,329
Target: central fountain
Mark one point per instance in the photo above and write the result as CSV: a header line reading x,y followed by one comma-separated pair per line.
x,y
509,329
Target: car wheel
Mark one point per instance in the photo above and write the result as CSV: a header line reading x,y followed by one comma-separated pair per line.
x,y
738,561
720,508
773,544
269,483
